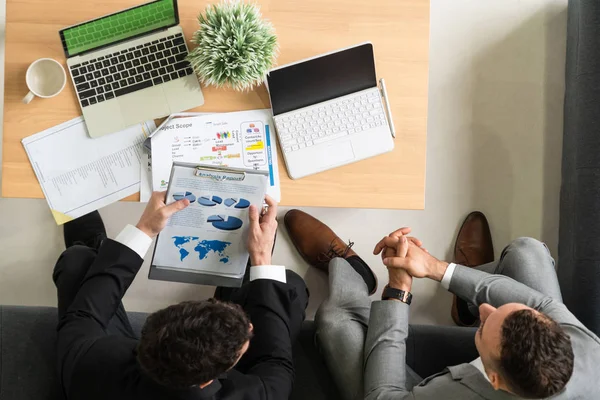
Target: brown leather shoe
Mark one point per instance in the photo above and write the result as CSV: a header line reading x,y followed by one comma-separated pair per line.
x,y
318,244
473,247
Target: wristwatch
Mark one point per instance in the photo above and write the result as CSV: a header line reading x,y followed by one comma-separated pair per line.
x,y
391,293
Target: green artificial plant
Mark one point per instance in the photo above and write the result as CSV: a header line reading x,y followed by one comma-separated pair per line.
x,y
235,46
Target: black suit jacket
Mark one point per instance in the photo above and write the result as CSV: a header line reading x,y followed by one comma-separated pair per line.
x,y
96,365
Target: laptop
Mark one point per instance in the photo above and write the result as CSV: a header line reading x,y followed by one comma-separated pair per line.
x,y
130,67
328,111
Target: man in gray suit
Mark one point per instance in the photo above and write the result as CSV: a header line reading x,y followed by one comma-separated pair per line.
x,y
527,346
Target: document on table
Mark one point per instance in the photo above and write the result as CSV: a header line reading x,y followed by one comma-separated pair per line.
x,y
244,139
146,167
145,178
78,174
210,235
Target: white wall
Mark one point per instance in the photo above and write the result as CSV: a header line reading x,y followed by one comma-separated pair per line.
x,y
496,88
496,96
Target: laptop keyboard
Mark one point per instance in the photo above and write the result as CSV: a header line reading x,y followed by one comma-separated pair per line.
x,y
330,121
130,70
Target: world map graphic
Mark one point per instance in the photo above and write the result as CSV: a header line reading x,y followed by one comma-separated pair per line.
x,y
186,244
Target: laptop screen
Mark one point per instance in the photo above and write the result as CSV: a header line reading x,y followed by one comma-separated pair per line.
x,y
321,79
118,27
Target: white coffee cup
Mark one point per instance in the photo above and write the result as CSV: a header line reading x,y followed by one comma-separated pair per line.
x,y
45,78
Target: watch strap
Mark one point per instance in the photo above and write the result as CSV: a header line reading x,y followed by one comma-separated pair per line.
x,y
391,293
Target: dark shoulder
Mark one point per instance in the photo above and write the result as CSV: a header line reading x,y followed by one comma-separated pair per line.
x,y
238,386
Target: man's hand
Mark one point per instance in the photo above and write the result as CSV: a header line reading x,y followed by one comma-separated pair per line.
x,y
389,245
399,278
262,233
418,262
157,213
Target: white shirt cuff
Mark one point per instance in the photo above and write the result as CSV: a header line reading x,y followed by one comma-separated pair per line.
x,y
135,239
274,272
448,276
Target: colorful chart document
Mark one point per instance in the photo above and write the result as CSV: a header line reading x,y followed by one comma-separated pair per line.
x,y
244,139
78,174
210,235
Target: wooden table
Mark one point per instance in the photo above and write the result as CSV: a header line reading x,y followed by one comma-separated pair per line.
x,y
399,30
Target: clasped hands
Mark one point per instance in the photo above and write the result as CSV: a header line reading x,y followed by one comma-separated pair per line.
x,y
406,258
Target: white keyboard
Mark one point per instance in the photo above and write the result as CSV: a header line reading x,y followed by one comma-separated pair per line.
x,y
331,120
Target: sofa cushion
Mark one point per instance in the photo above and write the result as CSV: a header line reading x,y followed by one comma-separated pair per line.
x,y
28,354
28,357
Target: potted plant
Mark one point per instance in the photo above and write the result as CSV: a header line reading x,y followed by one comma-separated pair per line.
x,y
235,46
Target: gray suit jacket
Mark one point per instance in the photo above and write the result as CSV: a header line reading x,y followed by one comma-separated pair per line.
x,y
385,347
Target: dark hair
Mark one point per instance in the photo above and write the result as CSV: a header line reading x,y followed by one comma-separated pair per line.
x,y
536,356
192,342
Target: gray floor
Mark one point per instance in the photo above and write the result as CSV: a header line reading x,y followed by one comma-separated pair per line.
x,y
496,87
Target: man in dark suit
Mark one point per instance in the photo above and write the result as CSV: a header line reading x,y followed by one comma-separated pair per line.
x,y
240,349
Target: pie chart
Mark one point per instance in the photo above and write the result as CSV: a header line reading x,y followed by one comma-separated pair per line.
x,y
184,195
210,201
225,223
239,203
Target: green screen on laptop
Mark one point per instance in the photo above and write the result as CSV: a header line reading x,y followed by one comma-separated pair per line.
x,y
118,27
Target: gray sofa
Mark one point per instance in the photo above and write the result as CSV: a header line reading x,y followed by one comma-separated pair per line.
x,y
579,238
27,357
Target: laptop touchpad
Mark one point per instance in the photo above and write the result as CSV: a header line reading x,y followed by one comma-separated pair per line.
x,y
339,153
143,105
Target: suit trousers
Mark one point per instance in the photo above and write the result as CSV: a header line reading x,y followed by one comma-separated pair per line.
x,y
343,319
69,272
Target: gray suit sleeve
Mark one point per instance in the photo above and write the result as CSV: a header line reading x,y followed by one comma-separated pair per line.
x,y
385,352
479,287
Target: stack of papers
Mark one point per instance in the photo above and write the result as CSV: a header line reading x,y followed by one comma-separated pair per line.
x,y
78,174
244,139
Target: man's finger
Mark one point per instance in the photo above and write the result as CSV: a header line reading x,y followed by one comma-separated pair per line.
x,y
271,213
159,196
394,262
253,215
379,246
255,218
386,242
176,206
402,248
416,241
411,244
401,232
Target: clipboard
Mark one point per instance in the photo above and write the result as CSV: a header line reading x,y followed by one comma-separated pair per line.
x,y
196,276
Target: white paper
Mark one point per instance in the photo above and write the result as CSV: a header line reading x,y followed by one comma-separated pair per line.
x,y
78,174
210,234
146,166
145,178
244,139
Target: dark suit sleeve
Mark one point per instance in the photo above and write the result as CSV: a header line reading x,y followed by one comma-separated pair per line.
x,y
96,302
277,314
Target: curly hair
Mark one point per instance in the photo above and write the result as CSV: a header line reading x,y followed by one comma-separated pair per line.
x,y
536,356
192,342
